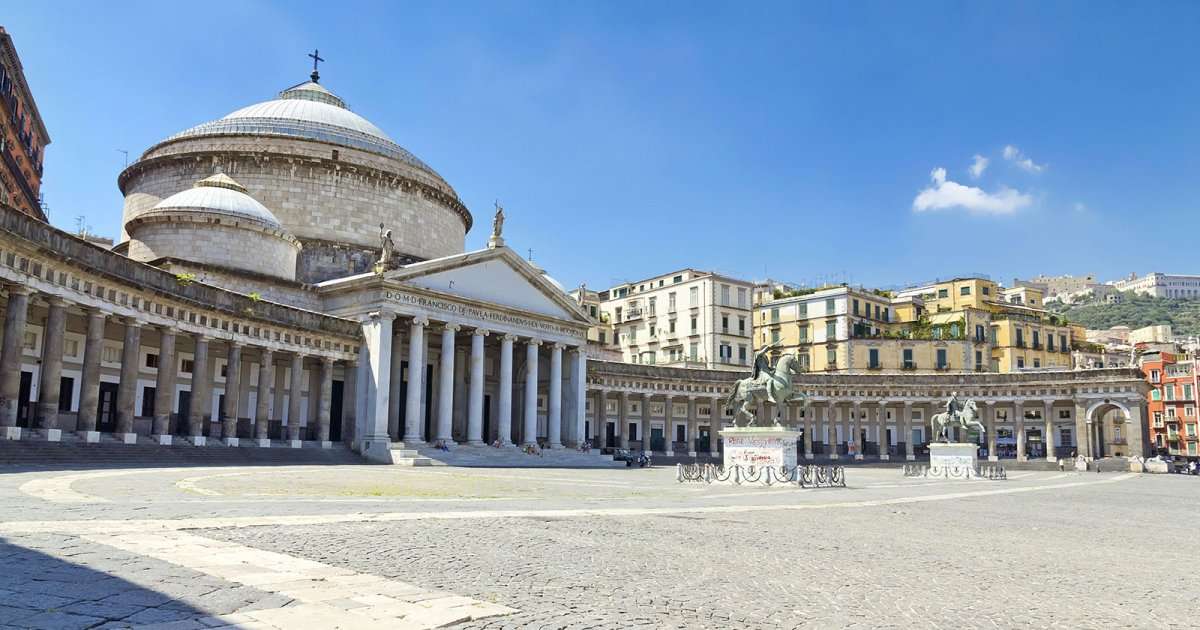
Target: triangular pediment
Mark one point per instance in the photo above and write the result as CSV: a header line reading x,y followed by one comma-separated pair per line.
x,y
495,276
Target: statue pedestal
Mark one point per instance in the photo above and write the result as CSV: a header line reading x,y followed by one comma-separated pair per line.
x,y
759,447
951,455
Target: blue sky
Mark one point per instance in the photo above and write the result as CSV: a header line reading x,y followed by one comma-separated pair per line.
x,y
797,140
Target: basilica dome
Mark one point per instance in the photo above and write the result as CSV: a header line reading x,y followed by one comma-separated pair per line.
x,y
329,176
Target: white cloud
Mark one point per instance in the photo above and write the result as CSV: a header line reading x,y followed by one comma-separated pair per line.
x,y
1014,155
978,166
947,195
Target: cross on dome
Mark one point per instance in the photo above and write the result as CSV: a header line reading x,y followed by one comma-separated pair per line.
x,y
316,57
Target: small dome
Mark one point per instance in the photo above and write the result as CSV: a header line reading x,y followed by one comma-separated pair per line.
x,y
218,194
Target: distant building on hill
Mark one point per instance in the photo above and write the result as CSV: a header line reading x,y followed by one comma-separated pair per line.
x,y
1158,284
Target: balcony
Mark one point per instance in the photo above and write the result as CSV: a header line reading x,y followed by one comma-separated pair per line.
x,y
632,314
1020,343
1037,346
874,366
908,365
943,367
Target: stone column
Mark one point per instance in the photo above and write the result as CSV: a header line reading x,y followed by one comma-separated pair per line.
x,y
164,385
201,398
414,423
395,380
233,390
445,420
262,406
599,420
529,431
809,429
855,423
578,384
325,404
350,395
908,445
819,423
989,416
1082,437
373,441
127,390
669,427
51,376
1019,410
1048,431
504,421
623,419
475,394
295,388
693,426
714,427
89,387
15,316
554,406
884,443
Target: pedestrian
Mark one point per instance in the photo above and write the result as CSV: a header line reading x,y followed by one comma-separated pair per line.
x,y
1062,466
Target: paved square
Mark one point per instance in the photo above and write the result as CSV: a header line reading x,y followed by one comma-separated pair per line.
x,y
487,548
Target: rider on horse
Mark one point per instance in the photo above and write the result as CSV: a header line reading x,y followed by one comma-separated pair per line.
x,y
953,406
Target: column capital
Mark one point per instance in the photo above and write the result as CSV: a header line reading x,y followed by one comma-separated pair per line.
x,y
54,300
580,350
451,327
133,321
19,289
419,321
558,345
377,315
165,329
482,332
327,360
509,337
533,341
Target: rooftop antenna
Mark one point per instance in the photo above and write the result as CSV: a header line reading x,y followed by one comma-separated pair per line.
x,y
126,153
530,254
316,57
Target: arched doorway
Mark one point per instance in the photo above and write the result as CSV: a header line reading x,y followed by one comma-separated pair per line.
x,y
1107,430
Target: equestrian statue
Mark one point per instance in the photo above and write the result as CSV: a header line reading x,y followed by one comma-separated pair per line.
x,y
764,385
958,414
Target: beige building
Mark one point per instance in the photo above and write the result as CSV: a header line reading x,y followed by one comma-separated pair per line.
x,y
687,318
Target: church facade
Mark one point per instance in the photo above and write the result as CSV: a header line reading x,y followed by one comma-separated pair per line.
x,y
289,276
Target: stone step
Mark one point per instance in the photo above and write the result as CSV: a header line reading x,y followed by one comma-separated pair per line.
x,y
78,453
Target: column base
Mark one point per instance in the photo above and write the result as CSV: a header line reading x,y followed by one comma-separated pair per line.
x,y
163,440
197,440
263,442
53,435
474,443
714,454
993,458
12,433
376,450
230,441
910,457
1051,459
295,443
128,438
533,444
834,456
555,447
691,453
858,457
326,444
884,457
90,437
668,453
808,456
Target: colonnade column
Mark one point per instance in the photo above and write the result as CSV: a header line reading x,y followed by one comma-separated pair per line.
x,y
127,390
374,443
295,386
504,422
445,419
350,397
164,385
908,445
835,422
554,402
578,384
669,427
89,386
325,403
1083,445
262,406
693,426
623,419
529,430
884,442
475,392
233,389
15,317
1019,410
51,376
414,424
1048,431
989,418
599,420
809,429
855,433
714,427
201,396
644,422
819,428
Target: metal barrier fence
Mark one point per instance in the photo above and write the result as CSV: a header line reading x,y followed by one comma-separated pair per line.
x,y
810,476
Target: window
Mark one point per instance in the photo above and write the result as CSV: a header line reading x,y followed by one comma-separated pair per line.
x,y
831,357
1191,429
693,324
724,323
831,330
941,358
775,316
724,295
671,327
855,307
774,336
694,351
830,306
987,290
1020,338
1187,391
1155,376
802,310
694,297
741,325
148,402
742,354
873,358
1050,343
742,297
652,330
186,366
66,389
676,279
1169,391
1062,343
602,339
1020,363
1037,363
980,335
726,353
1155,394
632,334
1189,411
151,360
908,359
804,334
943,293
965,291
1037,342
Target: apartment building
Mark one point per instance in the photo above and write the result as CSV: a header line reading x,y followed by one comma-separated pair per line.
x,y
687,318
1158,284
1171,404
23,136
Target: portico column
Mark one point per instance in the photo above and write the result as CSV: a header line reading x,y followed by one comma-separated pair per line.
x,y
373,441
599,420
504,422
127,390
164,385
693,426
819,428
350,396
578,385
854,431
669,427
201,396
809,429
414,424
529,431
445,421
325,404
52,360
262,405
622,418
1019,410
884,443
89,387
295,386
908,445
475,392
1048,432
554,408
233,389
395,381
15,317
714,427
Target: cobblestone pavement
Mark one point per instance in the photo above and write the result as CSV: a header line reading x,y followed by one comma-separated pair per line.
x,y
321,547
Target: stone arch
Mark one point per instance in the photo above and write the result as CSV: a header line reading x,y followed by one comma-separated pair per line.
x,y
1107,439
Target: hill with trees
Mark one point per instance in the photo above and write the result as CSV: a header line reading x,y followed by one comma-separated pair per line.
x,y
1136,311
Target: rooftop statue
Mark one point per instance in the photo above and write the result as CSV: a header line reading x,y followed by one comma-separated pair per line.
x,y
387,249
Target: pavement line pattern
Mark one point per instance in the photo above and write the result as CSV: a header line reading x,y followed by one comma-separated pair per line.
x,y
323,596
123,526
